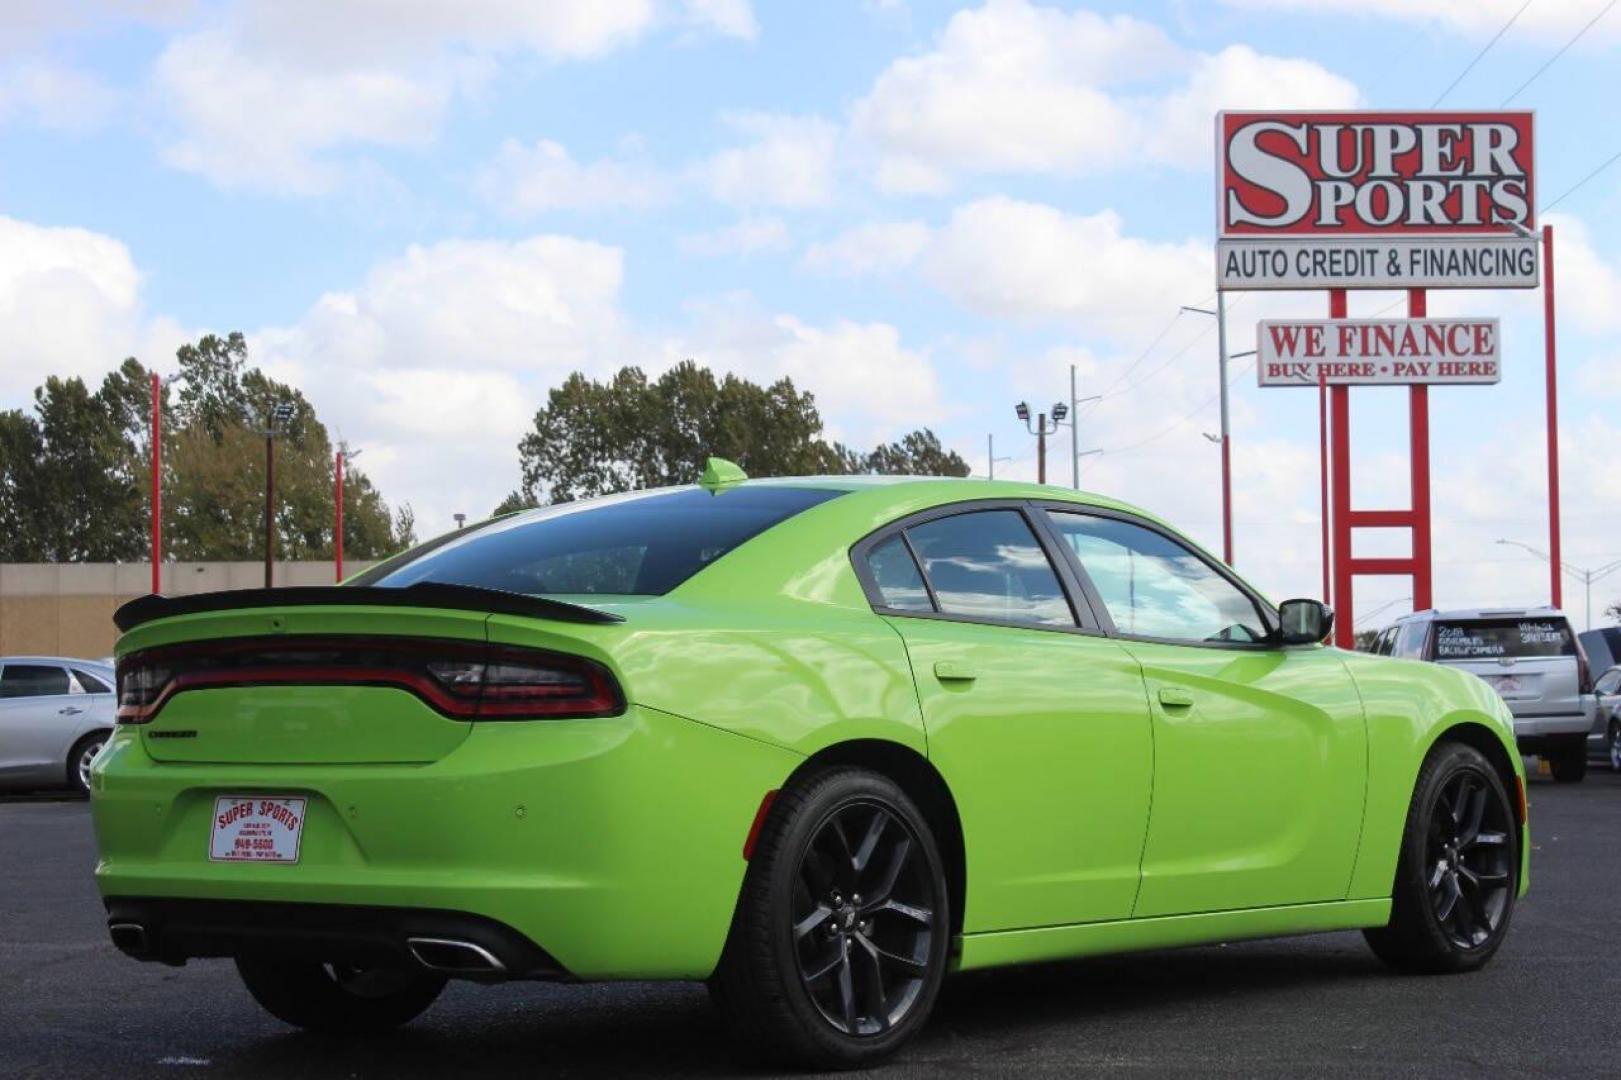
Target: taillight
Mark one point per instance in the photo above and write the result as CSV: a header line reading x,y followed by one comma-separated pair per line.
x,y
1584,673
462,680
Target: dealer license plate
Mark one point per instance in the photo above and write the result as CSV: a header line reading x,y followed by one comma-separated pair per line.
x,y
1505,684
256,828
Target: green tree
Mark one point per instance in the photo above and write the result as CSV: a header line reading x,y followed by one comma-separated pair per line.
x,y
73,476
916,454
628,432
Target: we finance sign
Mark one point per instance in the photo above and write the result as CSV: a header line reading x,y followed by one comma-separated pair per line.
x,y
1378,352
1367,200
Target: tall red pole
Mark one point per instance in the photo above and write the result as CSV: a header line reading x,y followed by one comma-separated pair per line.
x,y
1418,422
1322,468
337,530
1340,405
157,486
1554,562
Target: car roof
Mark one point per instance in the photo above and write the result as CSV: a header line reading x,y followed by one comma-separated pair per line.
x,y
1544,612
65,661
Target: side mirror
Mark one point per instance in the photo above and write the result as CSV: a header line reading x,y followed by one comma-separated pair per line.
x,y
1304,622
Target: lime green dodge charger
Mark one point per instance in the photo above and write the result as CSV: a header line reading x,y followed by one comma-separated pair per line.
x,y
819,741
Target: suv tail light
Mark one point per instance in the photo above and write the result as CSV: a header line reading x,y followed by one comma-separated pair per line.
x,y
1584,672
464,680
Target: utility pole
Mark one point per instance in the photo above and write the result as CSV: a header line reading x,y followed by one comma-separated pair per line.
x,y
990,457
280,414
1074,424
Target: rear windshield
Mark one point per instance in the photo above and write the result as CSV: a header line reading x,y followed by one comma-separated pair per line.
x,y
1487,639
641,544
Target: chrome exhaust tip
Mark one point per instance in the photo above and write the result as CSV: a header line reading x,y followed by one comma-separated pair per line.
x,y
450,957
129,937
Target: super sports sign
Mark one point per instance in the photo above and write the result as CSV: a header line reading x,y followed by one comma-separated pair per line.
x,y
1375,200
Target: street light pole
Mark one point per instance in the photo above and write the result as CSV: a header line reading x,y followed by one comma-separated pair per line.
x,y
1041,431
1220,315
1585,576
279,414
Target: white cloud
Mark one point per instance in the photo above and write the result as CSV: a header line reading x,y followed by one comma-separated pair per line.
x,y
1588,289
53,96
1020,260
257,121
522,181
734,18
1180,126
441,356
70,304
874,248
271,95
745,237
788,162
1016,88
868,384
1476,17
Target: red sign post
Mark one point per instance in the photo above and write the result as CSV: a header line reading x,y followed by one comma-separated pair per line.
x,y
1388,200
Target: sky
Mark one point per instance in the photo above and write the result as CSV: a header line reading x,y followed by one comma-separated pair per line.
x,y
425,215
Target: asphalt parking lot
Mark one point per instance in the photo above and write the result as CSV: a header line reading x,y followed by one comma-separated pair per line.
x,y
71,1006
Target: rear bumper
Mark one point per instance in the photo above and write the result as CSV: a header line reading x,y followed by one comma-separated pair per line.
x,y
1563,727
613,845
173,931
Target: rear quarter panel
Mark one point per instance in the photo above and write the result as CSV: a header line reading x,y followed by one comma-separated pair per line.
x,y
1409,706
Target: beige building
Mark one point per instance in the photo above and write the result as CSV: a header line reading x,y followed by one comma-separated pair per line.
x,y
66,609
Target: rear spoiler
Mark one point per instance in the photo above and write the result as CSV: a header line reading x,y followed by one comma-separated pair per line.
x,y
423,594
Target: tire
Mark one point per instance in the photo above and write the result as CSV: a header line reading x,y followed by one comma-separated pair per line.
x,y
79,758
1615,745
1569,766
814,975
338,998
1458,874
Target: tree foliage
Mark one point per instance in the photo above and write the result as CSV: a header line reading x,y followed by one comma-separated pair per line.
x,y
74,474
628,432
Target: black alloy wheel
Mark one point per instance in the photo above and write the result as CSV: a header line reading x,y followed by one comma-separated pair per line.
x,y
1458,871
843,927
1467,854
864,919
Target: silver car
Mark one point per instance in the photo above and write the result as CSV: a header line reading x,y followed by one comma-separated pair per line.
x,y
55,714
1531,658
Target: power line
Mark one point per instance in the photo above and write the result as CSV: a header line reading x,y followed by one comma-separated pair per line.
x,y
1195,411
1611,160
1537,74
1159,337
1453,85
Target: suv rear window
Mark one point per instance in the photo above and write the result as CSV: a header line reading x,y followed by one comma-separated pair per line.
x,y
1487,639
641,544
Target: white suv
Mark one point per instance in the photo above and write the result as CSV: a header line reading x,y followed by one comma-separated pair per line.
x,y
1531,658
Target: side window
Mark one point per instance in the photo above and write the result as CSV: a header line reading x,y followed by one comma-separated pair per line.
x,y
895,573
32,680
91,683
1156,587
1410,639
988,564
1387,641
1608,683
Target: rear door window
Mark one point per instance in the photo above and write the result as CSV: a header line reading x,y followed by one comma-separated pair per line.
x,y
33,680
987,564
90,684
895,573
1491,639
